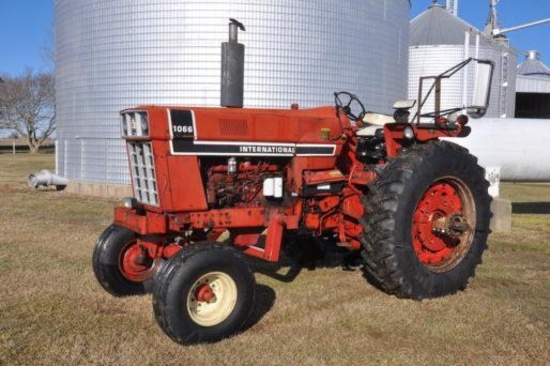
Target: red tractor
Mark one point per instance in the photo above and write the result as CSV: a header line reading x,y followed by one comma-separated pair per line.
x,y
215,185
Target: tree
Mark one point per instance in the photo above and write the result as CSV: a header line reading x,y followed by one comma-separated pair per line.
x,y
14,135
27,106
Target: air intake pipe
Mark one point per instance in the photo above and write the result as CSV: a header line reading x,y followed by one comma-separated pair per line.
x,y
232,75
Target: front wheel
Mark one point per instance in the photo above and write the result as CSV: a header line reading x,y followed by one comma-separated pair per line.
x,y
427,222
203,294
120,265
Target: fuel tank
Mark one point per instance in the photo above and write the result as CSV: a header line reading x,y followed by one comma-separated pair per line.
x,y
520,147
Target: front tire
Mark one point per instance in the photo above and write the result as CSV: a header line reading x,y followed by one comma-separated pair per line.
x,y
115,266
203,294
427,222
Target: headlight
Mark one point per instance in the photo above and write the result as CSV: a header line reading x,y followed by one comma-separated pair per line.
x,y
124,125
130,202
144,123
135,123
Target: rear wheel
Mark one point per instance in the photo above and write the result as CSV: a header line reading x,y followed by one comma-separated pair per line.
x,y
427,222
120,264
203,294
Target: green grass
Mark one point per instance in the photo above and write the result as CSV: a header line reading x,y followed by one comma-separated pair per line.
x,y
52,311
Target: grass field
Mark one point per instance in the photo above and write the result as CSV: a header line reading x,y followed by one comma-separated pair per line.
x,y
52,311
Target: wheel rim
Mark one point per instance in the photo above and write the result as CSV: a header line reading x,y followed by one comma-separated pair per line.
x,y
135,264
443,224
212,299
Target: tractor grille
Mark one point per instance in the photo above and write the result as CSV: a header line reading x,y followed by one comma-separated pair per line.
x,y
233,127
143,172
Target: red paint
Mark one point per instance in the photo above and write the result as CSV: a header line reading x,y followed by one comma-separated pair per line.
x,y
204,293
439,202
135,263
147,223
199,194
395,137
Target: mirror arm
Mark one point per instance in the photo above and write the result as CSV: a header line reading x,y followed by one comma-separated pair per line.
x,y
437,86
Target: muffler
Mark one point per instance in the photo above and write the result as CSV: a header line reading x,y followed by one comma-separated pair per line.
x,y
232,75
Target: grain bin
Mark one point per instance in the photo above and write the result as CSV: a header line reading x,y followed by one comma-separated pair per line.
x,y
114,54
438,41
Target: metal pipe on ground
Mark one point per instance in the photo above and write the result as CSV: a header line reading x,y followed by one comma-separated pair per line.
x,y
46,178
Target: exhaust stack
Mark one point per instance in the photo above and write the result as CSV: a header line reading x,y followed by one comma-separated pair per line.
x,y
232,75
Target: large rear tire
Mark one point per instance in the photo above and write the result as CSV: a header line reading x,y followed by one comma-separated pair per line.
x,y
426,223
203,294
114,263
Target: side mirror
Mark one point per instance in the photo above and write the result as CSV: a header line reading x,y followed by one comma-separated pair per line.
x,y
482,89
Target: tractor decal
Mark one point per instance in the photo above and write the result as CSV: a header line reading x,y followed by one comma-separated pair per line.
x,y
182,123
236,148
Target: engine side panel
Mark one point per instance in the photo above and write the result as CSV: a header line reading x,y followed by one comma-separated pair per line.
x,y
192,147
186,184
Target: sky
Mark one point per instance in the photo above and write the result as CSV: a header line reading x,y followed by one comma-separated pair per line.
x,y
510,13
26,27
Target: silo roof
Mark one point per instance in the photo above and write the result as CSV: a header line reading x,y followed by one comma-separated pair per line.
x,y
533,66
436,26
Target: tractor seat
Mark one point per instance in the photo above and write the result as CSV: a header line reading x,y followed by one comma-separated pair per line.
x,y
378,119
373,122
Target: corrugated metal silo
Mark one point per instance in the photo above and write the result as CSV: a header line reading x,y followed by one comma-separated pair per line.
x,y
533,88
533,75
113,54
437,42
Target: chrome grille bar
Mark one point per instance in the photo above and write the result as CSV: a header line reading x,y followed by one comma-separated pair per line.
x,y
142,166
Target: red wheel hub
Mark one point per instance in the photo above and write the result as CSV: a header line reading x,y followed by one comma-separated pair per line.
x,y
135,264
204,293
440,228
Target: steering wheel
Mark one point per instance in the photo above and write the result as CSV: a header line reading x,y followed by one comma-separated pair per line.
x,y
350,105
